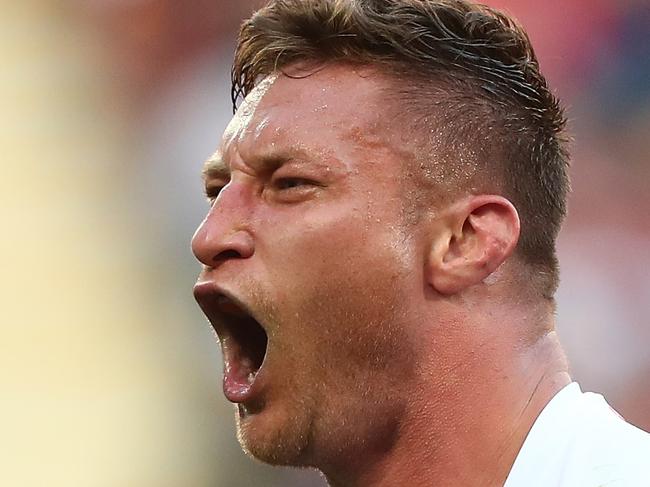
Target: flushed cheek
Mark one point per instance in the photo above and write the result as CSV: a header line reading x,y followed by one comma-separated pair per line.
x,y
327,273
312,238
335,287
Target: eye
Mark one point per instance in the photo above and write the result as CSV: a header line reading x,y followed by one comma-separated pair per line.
x,y
290,183
292,189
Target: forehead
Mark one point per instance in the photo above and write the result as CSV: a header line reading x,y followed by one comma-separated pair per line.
x,y
335,108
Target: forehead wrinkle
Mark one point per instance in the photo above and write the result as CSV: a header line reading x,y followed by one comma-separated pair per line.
x,y
270,142
271,159
263,162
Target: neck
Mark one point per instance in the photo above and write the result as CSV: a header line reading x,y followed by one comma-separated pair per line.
x,y
466,428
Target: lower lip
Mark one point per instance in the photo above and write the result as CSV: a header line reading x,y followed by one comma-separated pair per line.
x,y
238,387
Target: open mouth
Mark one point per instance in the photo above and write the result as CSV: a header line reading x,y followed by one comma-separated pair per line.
x,y
244,343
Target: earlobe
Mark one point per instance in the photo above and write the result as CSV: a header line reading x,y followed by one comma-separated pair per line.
x,y
475,237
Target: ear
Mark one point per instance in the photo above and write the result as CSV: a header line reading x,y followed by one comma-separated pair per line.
x,y
471,239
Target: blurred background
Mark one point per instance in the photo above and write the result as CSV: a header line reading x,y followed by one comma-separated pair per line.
x,y
109,375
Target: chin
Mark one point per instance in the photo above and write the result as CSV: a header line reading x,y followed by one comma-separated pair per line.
x,y
276,437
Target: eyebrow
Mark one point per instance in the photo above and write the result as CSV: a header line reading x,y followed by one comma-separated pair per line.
x,y
216,168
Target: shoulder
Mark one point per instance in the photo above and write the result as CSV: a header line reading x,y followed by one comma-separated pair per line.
x,y
580,441
607,450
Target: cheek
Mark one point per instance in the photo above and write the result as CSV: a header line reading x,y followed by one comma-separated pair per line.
x,y
341,281
331,242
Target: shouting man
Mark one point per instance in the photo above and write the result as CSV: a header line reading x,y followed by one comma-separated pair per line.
x,y
379,254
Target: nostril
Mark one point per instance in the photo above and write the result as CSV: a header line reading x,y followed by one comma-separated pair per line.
x,y
214,246
226,255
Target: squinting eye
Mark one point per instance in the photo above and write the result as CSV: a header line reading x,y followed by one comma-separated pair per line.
x,y
289,183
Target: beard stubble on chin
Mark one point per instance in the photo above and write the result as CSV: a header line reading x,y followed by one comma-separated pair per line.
x,y
338,363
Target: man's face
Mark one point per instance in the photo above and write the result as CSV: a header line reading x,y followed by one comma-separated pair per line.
x,y
309,235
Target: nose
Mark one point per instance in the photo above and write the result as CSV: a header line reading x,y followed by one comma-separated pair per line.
x,y
224,234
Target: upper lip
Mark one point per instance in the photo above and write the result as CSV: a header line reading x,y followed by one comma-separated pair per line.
x,y
212,297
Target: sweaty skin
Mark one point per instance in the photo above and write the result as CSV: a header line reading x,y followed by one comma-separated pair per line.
x,y
389,361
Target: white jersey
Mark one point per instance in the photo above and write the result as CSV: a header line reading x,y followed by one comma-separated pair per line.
x,y
578,440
